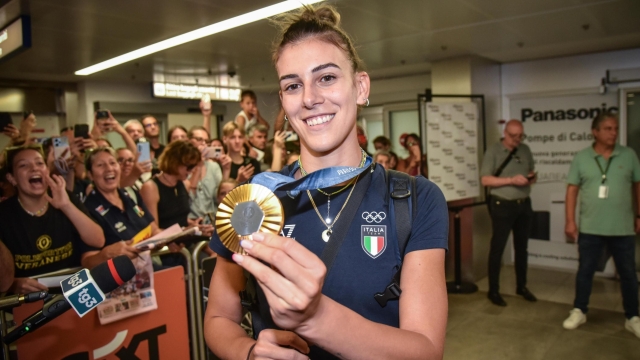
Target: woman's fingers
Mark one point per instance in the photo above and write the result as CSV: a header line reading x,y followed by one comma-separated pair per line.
x,y
278,344
288,295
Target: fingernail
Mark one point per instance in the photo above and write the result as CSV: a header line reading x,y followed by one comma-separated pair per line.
x,y
257,236
246,244
237,258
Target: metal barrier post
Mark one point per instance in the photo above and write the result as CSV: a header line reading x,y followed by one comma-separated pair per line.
x,y
197,271
195,354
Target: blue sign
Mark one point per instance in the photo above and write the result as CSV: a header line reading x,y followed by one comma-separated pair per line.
x,y
86,299
75,280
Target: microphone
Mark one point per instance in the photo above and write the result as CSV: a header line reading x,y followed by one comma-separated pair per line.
x,y
9,302
82,291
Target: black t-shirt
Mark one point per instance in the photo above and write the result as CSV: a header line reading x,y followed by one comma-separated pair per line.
x,y
118,225
157,151
40,244
247,160
173,205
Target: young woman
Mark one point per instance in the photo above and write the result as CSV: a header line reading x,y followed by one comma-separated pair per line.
x,y
415,164
43,226
176,133
334,314
242,167
122,217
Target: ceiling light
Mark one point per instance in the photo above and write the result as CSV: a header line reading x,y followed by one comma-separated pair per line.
x,y
198,34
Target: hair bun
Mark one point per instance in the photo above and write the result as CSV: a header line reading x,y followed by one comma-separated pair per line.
x,y
325,14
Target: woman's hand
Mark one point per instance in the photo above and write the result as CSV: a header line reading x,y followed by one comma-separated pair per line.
x,y
244,173
279,344
294,288
26,285
59,197
278,139
120,248
11,131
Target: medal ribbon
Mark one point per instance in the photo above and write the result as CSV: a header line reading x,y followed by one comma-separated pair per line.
x,y
319,179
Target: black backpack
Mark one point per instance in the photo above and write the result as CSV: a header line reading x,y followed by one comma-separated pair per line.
x,y
401,188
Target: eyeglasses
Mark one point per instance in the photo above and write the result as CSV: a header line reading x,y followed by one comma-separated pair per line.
x,y
150,125
126,161
198,139
516,136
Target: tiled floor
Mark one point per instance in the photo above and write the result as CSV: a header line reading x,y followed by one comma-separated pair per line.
x,y
480,330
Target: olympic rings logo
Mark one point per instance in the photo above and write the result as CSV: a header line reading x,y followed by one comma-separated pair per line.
x,y
373,216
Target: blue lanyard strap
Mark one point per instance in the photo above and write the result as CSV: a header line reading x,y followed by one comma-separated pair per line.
x,y
319,179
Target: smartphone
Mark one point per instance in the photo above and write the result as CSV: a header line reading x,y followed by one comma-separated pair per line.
x,y
144,149
81,130
102,114
5,120
61,147
206,102
291,136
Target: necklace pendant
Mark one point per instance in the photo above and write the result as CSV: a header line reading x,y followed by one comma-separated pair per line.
x,y
325,235
327,221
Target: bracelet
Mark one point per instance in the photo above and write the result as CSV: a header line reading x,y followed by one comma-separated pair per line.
x,y
251,350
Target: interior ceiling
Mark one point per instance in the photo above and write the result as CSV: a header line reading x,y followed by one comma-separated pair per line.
x,y
393,37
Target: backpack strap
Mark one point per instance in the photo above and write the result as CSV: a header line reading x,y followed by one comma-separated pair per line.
x,y
401,188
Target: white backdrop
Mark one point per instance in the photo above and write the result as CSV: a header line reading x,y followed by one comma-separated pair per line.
x,y
452,148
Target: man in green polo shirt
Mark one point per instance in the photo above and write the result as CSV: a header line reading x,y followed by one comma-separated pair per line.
x,y
604,175
508,171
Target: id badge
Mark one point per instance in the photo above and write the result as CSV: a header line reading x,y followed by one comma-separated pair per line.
x,y
603,192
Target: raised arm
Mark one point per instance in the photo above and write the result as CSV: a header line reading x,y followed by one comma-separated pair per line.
x,y
89,231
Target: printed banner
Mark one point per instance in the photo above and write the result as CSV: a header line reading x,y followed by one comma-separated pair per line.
x,y
452,148
556,128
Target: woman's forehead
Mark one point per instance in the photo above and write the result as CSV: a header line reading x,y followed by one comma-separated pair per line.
x,y
308,54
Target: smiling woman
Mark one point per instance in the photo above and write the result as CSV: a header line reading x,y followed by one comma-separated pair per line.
x,y
329,311
48,225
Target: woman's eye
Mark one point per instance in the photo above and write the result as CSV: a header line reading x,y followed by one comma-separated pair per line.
x,y
327,78
292,87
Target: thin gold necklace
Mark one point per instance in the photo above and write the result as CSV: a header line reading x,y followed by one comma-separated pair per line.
x,y
327,220
37,213
327,233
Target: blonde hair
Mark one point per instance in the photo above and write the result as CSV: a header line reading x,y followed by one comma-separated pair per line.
x,y
322,23
230,127
91,154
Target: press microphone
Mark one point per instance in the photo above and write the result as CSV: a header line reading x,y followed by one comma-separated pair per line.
x,y
82,291
9,302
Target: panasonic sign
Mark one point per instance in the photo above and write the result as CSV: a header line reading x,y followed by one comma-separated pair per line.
x,y
565,114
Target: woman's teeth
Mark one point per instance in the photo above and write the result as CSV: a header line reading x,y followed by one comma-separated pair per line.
x,y
319,120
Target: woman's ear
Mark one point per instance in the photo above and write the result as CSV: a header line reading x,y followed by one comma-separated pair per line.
x,y
363,84
11,179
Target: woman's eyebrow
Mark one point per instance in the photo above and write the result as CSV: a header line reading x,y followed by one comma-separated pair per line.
x,y
315,69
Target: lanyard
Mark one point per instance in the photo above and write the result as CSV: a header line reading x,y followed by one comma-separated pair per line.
x,y
603,172
318,179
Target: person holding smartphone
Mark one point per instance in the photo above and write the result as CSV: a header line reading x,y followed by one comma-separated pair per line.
x,y
508,171
241,167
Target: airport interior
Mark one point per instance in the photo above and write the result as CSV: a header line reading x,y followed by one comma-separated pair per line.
x,y
497,107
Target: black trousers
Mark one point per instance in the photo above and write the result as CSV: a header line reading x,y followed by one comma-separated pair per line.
x,y
507,216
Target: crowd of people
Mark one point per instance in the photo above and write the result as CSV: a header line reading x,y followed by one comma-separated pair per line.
x,y
129,199
92,202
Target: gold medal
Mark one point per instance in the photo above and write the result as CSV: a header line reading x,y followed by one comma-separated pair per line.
x,y
247,209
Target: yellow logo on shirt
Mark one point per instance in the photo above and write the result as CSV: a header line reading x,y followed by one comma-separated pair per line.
x,y
44,242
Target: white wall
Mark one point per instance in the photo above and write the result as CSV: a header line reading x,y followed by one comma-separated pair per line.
x,y
397,89
568,75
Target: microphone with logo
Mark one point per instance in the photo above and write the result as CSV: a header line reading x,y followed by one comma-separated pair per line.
x,y
82,291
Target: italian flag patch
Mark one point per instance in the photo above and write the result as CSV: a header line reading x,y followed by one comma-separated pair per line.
x,y
374,239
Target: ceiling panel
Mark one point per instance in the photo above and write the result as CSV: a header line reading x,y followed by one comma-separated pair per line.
x,y
393,37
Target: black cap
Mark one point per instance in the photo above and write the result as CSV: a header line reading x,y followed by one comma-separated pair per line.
x,y
105,280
